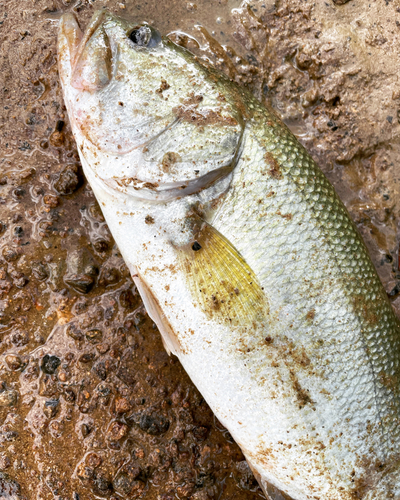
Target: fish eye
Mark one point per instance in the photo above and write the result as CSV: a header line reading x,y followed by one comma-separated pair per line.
x,y
145,36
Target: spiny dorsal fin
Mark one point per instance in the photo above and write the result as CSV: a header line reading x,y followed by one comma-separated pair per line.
x,y
221,281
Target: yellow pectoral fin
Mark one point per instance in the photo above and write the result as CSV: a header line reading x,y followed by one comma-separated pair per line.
x,y
221,281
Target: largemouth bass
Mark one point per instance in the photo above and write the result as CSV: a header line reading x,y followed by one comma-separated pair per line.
x,y
245,259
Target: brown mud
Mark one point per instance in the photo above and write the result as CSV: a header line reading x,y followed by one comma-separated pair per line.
x,y
91,406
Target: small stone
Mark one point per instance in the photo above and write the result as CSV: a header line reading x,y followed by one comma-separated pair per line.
x,y
245,477
94,335
40,271
153,424
10,254
93,460
14,362
186,490
51,407
124,485
69,395
20,338
57,139
9,489
8,398
100,370
127,371
80,282
200,433
51,200
117,431
200,495
122,405
340,2
50,364
73,331
84,472
102,348
86,357
110,276
18,193
47,386
69,179
85,430
101,484
101,246
20,281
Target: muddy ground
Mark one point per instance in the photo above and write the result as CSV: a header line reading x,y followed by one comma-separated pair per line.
x,y
91,406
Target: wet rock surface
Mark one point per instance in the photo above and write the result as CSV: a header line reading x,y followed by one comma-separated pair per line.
x,y
91,406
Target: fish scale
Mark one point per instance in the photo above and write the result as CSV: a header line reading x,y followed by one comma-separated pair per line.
x,y
356,275
245,258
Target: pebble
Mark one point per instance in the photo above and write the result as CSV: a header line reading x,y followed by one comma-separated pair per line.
x,y
80,282
51,408
101,484
69,395
100,370
154,424
47,386
117,431
94,335
14,362
8,398
10,254
101,246
51,200
20,338
40,271
93,460
122,405
85,430
73,331
50,364
69,179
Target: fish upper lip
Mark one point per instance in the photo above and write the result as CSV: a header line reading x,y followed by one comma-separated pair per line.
x,y
96,20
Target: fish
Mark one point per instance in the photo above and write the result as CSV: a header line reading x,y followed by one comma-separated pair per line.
x,y
245,258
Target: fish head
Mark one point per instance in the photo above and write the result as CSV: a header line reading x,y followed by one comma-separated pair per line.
x,y
155,122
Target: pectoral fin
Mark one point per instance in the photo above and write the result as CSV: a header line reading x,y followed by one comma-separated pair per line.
x,y
153,309
221,281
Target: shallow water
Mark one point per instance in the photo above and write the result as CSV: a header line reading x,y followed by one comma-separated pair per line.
x,y
90,404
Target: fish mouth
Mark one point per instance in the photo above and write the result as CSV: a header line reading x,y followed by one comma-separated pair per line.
x,y
96,20
76,38
88,51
